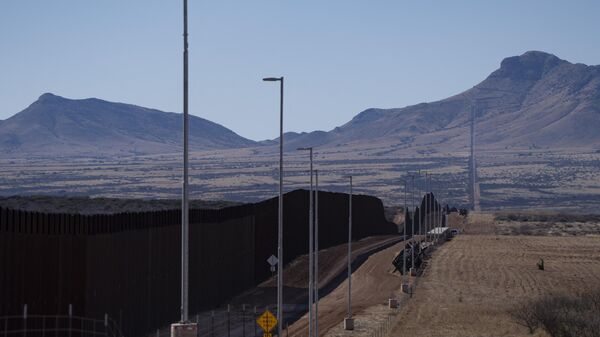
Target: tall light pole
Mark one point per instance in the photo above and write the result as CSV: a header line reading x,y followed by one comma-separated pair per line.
x,y
412,221
472,159
349,321
185,193
431,209
316,284
311,248
430,214
404,239
427,207
426,213
436,210
280,213
420,204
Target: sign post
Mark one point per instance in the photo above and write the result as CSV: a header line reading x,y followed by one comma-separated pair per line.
x,y
272,261
267,322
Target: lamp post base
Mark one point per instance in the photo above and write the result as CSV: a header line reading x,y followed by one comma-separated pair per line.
x,y
184,330
348,323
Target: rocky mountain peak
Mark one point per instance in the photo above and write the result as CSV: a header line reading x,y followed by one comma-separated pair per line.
x,y
531,65
49,97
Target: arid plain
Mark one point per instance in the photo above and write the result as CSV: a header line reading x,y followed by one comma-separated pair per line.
x,y
567,179
474,282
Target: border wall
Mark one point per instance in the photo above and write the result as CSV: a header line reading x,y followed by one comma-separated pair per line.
x,y
128,264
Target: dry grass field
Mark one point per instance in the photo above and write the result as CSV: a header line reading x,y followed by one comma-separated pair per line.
x,y
540,179
474,281
529,223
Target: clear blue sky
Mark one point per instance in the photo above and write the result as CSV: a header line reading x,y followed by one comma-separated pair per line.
x,y
339,57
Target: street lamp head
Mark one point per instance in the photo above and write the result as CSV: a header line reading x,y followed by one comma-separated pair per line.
x,y
272,79
304,148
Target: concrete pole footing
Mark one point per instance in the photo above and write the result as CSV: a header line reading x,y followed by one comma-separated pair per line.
x,y
348,323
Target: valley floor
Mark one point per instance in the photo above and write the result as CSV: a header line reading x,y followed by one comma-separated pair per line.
x,y
564,179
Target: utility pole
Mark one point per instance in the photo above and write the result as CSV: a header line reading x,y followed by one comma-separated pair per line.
x,y
280,220
280,210
349,321
184,206
311,248
185,328
421,222
424,204
472,159
429,225
412,251
404,237
316,283
311,237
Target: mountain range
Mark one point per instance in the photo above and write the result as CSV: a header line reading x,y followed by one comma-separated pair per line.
x,y
532,100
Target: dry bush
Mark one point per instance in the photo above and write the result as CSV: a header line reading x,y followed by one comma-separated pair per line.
x,y
525,315
562,316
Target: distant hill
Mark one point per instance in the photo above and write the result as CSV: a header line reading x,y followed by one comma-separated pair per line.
x,y
532,100
56,126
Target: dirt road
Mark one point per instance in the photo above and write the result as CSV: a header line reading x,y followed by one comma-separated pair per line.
x,y
372,284
332,265
473,281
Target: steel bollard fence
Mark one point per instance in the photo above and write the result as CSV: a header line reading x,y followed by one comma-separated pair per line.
x,y
25,320
70,320
228,320
243,320
255,318
197,325
212,323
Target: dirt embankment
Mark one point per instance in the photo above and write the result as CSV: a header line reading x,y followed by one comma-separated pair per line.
x,y
372,284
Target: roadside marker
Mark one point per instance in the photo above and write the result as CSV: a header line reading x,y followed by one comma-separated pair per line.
x,y
267,322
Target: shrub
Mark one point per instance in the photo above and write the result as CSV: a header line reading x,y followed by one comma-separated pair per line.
x,y
525,315
562,316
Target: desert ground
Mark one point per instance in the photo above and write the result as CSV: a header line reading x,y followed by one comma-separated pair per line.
x,y
508,179
472,283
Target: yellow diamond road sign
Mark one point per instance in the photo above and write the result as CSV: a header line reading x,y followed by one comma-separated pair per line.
x,y
267,321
